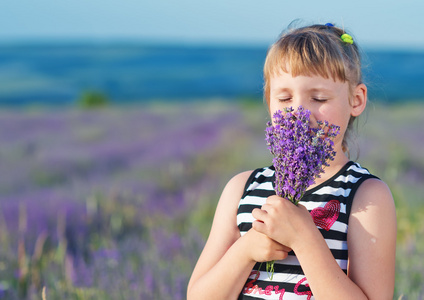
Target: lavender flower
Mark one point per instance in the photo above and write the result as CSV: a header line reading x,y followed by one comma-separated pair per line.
x,y
300,153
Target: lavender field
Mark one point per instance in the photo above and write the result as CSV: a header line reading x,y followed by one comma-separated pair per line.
x,y
116,203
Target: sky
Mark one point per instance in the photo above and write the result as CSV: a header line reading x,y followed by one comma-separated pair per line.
x,y
373,23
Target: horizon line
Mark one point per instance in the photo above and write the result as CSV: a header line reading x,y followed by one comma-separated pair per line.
x,y
134,41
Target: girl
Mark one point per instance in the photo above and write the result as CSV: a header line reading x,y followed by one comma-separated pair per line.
x,y
317,67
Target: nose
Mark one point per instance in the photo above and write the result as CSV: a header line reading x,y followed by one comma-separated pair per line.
x,y
300,100
305,102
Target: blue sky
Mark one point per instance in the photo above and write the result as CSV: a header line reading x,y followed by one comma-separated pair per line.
x,y
381,24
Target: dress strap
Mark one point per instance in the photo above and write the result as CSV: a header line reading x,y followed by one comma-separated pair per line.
x,y
250,180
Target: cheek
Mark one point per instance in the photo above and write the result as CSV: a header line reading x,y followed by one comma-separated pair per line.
x,y
334,115
273,108
275,105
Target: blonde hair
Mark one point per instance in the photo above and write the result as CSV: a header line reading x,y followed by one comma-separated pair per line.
x,y
314,50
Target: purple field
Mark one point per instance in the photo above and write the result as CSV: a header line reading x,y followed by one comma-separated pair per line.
x,y
116,203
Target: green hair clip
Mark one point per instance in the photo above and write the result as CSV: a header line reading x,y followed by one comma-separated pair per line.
x,y
347,38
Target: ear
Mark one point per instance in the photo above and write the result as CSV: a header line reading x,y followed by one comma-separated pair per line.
x,y
359,101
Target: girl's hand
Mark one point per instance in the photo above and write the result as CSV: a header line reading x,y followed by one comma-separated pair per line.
x,y
283,221
261,248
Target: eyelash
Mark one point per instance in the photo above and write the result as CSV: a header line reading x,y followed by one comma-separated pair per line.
x,y
315,99
320,99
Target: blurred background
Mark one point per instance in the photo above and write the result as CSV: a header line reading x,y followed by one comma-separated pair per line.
x,y
121,122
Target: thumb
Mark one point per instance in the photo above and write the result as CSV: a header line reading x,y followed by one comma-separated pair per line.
x,y
259,226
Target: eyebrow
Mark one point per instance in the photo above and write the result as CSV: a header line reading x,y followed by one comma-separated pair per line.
x,y
320,90
314,89
281,89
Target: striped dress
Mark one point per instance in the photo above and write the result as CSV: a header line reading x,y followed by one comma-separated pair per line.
x,y
329,204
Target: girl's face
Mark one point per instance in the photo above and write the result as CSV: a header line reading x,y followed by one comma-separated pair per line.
x,y
328,100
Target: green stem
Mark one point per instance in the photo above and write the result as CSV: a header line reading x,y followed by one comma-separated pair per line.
x,y
270,268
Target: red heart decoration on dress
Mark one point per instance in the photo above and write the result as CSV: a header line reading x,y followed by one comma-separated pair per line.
x,y
325,217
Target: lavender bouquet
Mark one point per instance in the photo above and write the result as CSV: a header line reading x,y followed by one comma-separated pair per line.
x,y
300,153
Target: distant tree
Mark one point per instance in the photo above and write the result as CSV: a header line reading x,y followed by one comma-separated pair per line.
x,y
93,99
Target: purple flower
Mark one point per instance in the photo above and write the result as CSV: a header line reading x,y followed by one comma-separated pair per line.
x,y
300,152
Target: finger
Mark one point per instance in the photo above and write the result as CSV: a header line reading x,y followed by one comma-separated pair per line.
x,y
285,248
302,206
259,226
303,209
273,200
259,214
282,255
266,207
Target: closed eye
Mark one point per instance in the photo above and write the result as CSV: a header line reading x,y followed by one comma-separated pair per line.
x,y
284,99
320,99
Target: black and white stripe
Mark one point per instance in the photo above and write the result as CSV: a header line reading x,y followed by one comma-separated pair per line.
x,y
341,187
